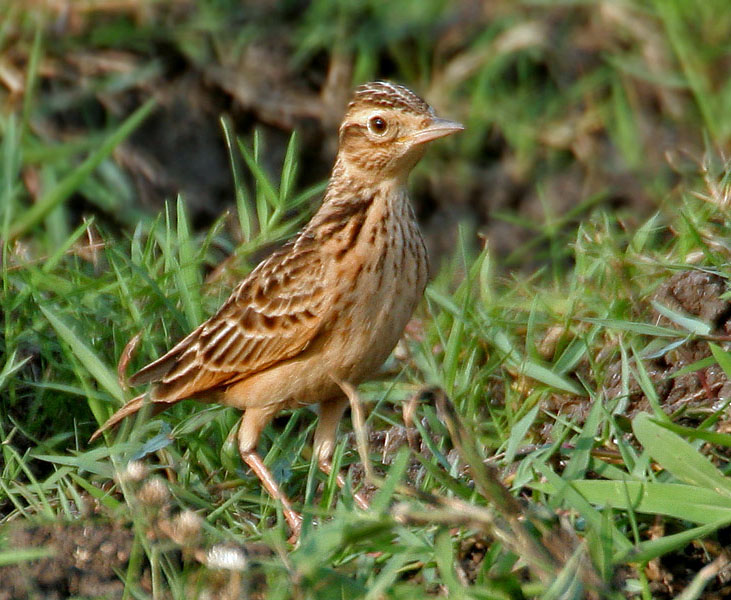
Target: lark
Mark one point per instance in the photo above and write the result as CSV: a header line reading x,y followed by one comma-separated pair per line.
x,y
330,305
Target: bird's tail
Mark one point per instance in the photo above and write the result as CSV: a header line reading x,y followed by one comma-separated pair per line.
x,y
128,409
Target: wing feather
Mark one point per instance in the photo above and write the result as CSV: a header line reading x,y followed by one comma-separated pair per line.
x,y
270,317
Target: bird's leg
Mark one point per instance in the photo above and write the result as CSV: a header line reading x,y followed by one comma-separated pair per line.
x,y
267,479
251,425
331,412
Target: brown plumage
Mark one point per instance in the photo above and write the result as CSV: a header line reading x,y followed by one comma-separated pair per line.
x,y
327,307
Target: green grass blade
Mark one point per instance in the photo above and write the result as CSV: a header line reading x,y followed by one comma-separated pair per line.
x,y
63,248
639,328
445,559
679,457
568,492
647,386
584,444
518,433
18,555
651,549
687,502
104,376
688,323
686,49
289,170
69,184
722,357
531,368
188,276
32,74
713,437
9,175
266,194
11,367
243,210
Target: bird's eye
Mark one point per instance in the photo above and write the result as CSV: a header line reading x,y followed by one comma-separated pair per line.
x,y
377,125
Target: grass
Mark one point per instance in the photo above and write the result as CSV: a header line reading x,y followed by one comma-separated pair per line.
x,y
546,457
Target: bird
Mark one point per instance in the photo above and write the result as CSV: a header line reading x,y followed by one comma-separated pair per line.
x,y
326,308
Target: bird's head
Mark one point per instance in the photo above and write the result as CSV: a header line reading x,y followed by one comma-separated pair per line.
x,y
386,129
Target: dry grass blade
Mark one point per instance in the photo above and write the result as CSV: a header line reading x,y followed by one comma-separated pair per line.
x,y
557,545
485,476
124,359
361,434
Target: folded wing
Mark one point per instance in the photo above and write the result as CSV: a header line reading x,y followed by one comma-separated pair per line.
x,y
273,315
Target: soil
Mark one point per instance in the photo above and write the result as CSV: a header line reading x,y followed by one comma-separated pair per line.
x,y
90,557
85,561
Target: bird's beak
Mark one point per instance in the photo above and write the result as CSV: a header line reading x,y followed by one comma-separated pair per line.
x,y
436,129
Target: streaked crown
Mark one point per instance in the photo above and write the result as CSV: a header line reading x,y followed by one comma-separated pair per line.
x,y
388,95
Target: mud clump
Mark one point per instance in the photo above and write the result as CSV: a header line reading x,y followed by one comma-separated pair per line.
x,y
699,295
692,395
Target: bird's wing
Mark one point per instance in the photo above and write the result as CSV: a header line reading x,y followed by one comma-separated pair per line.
x,y
273,315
